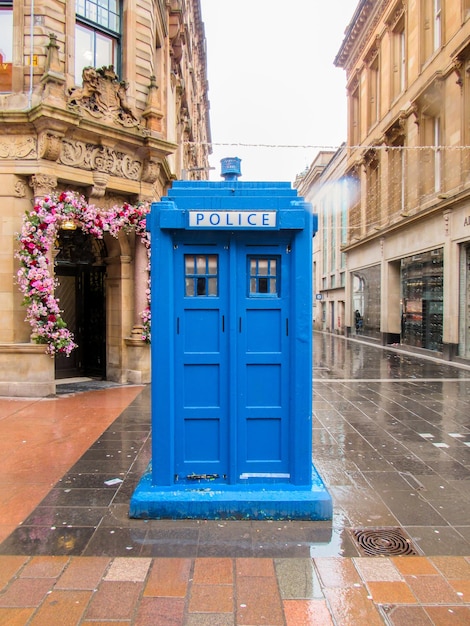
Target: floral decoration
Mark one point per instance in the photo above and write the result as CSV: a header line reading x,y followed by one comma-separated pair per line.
x,y
36,282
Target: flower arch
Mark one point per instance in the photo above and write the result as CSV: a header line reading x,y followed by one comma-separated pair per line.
x,y
36,282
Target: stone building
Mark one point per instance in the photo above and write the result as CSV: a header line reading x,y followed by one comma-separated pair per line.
x,y
108,100
407,65
326,187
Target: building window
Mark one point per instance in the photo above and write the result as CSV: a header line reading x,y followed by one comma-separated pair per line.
x,y
466,111
354,204
432,27
354,117
422,284
431,159
398,59
6,46
97,34
374,91
396,171
437,23
372,169
366,294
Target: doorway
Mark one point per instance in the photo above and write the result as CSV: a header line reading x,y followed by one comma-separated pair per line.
x,y
80,272
232,360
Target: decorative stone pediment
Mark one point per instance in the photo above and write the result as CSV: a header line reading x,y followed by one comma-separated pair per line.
x,y
100,158
103,97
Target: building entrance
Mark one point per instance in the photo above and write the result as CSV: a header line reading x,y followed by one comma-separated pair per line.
x,y
464,348
80,271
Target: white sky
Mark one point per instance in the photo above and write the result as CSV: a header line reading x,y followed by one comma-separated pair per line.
x,y
272,81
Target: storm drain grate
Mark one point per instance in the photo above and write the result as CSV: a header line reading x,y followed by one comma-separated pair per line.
x,y
384,542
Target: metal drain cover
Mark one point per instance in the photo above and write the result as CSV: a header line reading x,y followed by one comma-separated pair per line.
x,y
384,542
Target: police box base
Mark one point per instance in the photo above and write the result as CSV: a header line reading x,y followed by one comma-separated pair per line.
x,y
282,501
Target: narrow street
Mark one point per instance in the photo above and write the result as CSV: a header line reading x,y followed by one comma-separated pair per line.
x,y
391,439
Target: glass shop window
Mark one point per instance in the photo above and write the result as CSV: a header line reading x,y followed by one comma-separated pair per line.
x,y
263,276
201,275
6,46
97,35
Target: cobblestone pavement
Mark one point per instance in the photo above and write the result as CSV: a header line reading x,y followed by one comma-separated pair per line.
x,y
391,439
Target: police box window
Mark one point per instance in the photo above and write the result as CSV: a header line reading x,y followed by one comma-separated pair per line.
x,y
263,276
97,34
201,275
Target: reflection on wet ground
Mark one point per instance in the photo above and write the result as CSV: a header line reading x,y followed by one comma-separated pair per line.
x,y
391,439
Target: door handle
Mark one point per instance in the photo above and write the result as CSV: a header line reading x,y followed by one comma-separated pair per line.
x,y
223,323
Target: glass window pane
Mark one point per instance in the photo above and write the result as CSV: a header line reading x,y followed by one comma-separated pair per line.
x,y
189,287
6,41
104,51
201,286
201,265
212,264
263,267
188,263
84,50
212,286
262,285
6,50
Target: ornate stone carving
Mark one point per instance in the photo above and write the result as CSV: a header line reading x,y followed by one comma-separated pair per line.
x,y
100,158
396,132
42,184
103,97
18,148
100,180
50,146
152,114
150,171
20,189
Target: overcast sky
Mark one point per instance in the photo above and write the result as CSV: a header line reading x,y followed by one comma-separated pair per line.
x,y
272,81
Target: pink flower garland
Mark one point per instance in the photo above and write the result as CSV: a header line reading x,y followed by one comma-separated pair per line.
x,y
37,236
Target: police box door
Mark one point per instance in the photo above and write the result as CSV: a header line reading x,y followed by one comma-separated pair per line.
x,y
231,360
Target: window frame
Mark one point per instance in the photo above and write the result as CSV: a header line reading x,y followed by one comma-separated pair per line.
x,y
85,22
7,80
273,278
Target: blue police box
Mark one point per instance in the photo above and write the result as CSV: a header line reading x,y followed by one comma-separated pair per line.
x,y
231,284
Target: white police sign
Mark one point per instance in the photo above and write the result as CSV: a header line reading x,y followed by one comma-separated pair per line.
x,y
232,219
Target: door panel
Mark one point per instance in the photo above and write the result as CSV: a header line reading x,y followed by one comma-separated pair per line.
x,y
201,449
263,361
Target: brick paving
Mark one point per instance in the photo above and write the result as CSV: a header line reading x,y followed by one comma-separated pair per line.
x,y
70,555
234,591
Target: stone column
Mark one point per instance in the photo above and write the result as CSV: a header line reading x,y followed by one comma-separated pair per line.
x,y
138,351
140,286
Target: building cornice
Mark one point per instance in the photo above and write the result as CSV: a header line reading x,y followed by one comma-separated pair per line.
x,y
359,32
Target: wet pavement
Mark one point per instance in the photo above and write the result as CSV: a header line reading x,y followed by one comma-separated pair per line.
x,y
391,439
